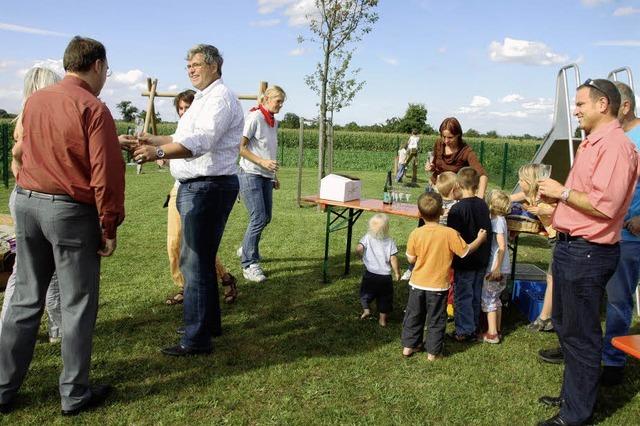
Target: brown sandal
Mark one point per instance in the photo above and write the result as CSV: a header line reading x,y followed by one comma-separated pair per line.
x,y
230,288
177,299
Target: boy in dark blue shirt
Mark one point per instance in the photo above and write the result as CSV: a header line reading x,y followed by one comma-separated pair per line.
x,y
468,216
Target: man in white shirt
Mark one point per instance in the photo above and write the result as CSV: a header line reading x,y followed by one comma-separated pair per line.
x,y
203,150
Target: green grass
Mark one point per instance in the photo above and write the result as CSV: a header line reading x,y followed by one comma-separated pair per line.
x,y
293,351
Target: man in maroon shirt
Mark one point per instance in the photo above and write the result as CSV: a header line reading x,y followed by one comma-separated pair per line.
x,y
70,200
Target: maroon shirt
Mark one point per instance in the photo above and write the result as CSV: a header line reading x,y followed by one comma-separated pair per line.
x,y
453,163
70,146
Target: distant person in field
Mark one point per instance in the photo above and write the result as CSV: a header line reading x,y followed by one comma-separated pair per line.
x,y
411,147
258,179
379,255
69,203
182,102
451,153
204,150
35,79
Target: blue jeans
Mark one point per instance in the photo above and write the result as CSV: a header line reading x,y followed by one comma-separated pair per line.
x,y
620,291
204,207
401,169
467,297
257,194
581,271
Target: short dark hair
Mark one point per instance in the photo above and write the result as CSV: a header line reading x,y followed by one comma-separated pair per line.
x,y
468,178
81,53
600,87
186,96
430,206
210,53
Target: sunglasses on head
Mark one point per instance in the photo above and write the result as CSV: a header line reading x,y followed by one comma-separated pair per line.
x,y
592,83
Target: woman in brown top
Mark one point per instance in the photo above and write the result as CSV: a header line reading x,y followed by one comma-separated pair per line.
x,y
451,153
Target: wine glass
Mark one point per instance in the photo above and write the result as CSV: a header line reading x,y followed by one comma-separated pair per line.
x,y
544,172
429,157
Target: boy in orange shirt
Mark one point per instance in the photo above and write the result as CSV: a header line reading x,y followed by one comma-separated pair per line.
x,y
431,248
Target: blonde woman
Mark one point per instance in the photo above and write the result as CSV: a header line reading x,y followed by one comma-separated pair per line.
x,y
528,176
258,167
35,79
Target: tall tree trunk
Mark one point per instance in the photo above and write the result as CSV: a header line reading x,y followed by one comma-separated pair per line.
x,y
322,137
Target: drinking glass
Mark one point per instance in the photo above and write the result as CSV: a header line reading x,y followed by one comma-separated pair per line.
x,y
544,172
429,157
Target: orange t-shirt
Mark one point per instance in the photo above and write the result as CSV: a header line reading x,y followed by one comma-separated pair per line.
x,y
434,246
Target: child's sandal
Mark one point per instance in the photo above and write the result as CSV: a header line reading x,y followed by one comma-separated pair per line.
x,y
230,288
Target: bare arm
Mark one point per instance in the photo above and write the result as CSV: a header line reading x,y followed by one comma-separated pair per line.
x,y
147,152
518,197
16,161
395,266
271,165
360,250
495,274
482,186
579,200
475,244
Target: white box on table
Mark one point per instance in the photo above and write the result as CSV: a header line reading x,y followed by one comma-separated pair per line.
x,y
337,187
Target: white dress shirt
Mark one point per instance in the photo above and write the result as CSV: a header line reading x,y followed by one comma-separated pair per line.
x,y
211,129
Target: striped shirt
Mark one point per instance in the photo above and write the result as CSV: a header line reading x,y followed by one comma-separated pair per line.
x,y
211,129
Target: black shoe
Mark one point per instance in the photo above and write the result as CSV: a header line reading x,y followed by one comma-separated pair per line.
x,y
552,356
462,338
180,350
551,401
555,420
611,376
6,408
98,394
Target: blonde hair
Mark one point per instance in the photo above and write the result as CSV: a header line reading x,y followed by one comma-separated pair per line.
x,y
271,92
499,203
529,174
468,178
445,182
379,226
35,79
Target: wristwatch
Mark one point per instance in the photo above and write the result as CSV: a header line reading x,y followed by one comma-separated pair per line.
x,y
564,196
159,152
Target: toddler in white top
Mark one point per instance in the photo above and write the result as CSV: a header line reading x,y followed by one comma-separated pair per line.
x,y
378,252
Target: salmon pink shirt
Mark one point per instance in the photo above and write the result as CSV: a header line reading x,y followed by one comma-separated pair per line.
x,y
606,169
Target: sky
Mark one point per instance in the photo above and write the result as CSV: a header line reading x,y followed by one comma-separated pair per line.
x,y
491,63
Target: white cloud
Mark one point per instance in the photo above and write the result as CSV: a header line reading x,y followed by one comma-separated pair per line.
x,y
524,52
514,97
7,64
442,49
514,114
298,51
619,43
297,11
626,11
593,3
28,30
540,104
13,94
479,102
172,88
54,65
390,61
265,23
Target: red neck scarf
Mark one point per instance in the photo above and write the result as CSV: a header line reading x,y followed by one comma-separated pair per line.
x,y
268,115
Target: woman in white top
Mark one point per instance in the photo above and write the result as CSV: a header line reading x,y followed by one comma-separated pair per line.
x,y
258,166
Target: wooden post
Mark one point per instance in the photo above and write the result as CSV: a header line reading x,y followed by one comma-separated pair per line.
x,y
330,147
150,108
300,158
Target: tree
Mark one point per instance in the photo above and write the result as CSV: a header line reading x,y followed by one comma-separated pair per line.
x,y
472,133
492,134
337,24
415,118
143,116
290,121
5,114
127,110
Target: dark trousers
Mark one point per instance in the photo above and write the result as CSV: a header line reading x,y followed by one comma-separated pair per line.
x,y
581,271
425,307
377,287
204,207
467,300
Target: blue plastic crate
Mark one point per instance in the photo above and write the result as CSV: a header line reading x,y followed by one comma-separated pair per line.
x,y
528,296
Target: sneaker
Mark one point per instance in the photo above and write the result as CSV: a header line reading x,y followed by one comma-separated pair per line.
x,y
254,273
491,338
239,252
406,275
540,325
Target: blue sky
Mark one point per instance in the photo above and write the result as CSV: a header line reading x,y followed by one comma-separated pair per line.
x,y
493,64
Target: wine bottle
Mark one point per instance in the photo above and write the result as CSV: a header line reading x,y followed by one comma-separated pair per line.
x,y
386,194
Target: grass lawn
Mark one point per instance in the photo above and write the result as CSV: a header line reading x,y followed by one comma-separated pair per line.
x,y
293,349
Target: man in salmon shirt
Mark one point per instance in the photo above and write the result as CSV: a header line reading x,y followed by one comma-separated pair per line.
x,y
69,203
589,217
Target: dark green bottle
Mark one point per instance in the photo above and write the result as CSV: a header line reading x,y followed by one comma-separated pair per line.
x,y
386,194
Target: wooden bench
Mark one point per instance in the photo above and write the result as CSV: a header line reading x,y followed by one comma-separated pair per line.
x,y
628,344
